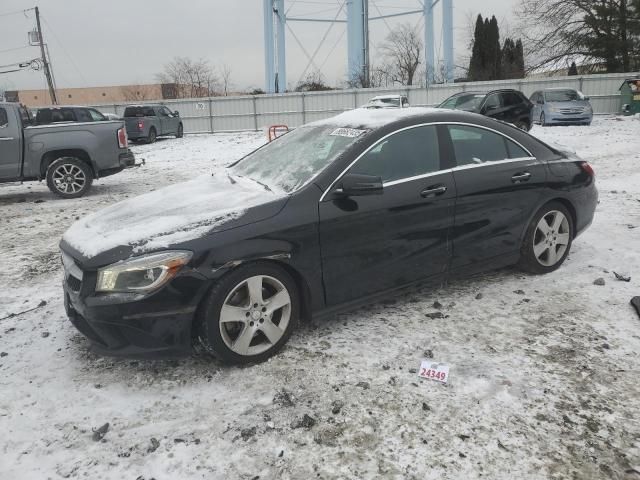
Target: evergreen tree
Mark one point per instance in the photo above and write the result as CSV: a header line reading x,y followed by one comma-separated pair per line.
x,y
573,69
477,64
494,52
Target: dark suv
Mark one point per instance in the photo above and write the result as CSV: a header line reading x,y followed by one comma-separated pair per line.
x,y
48,115
510,106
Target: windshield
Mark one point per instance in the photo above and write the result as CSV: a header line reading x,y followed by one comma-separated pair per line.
x,y
469,102
394,102
292,160
563,96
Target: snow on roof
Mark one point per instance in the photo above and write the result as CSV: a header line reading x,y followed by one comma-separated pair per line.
x,y
170,215
372,118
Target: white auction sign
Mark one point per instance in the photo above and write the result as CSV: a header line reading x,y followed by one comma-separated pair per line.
x,y
434,371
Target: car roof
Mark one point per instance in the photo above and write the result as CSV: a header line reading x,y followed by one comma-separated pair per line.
x,y
60,107
480,92
382,97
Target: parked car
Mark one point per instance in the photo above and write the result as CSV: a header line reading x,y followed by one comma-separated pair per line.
x,y
510,106
329,216
388,101
48,115
561,106
69,156
148,122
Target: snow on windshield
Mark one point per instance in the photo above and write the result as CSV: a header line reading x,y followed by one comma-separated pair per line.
x,y
170,215
292,160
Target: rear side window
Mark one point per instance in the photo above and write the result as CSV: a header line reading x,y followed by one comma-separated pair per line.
x,y
473,146
4,119
511,98
52,115
405,154
139,112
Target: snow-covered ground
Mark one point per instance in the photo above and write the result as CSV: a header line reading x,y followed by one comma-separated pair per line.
x,y
544,380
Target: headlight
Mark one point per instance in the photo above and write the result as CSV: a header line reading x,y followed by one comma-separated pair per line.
x,y
142,274
588,109
554,109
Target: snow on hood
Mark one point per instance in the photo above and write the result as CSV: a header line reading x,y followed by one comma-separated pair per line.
x,y
167,216
372,118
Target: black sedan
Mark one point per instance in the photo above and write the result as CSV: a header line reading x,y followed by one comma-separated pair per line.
x,y
322,219
508,105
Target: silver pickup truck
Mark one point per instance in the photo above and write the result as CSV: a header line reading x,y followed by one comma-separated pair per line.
x,y
148,122
69,156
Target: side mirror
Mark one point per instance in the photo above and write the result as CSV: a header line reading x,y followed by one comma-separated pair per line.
x,y
490,108
354,185
586,98
176,113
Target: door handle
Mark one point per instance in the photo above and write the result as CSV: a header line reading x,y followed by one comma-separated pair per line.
x,y
433,191
521,177
6,139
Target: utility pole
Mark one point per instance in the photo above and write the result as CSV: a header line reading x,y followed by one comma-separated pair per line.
x,y
47,71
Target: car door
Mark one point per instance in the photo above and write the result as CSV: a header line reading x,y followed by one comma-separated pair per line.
x,y
493,107
374,243
10,151
536,99
167,121
83,115
499,184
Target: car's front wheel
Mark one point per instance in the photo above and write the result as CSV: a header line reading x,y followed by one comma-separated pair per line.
x,y
548,239
523,125
180,132
69,177
250,314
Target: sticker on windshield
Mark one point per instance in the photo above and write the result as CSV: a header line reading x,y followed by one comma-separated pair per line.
x,y
347,132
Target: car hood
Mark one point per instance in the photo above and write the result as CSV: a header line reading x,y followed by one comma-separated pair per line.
x,y
170,216
570,104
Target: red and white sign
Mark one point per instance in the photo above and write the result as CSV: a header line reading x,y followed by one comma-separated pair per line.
x,y
434,371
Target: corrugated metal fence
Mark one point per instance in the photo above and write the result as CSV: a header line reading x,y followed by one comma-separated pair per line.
x,y
219,114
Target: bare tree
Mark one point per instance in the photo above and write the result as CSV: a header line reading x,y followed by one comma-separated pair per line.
x,y
605,32
225,77
191,78
402,54
135,93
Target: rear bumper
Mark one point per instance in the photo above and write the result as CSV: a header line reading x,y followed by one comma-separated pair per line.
x,y
586,208
125,160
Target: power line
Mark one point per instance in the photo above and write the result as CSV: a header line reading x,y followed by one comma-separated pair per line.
x,y
15,49
17,12
64,50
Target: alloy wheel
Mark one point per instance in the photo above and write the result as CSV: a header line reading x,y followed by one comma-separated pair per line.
x,y
551,238
255,315
69,178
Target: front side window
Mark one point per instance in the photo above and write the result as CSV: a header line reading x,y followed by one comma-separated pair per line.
x,y
83,115
4,119
493,102
473,145
292,160
96,116
408,153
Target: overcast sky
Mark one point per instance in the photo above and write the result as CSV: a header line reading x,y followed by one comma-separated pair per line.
x,y
117,42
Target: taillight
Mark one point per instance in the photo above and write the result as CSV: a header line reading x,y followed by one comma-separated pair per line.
x,y
140,125
123,141
588,169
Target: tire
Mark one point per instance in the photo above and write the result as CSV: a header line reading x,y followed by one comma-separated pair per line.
x,y
522,125
153,136
180,132
250,333
542,120
69,177
545,248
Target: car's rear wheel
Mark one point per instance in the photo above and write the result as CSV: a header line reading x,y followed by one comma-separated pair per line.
x,y
548,239
180,132
152,137
250,314
69,177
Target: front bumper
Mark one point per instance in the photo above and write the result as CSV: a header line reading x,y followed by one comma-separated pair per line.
x,y
567,119
134,326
